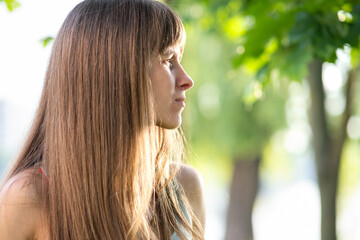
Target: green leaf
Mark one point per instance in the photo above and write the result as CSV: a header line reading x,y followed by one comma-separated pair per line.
x,y
12,4
45,41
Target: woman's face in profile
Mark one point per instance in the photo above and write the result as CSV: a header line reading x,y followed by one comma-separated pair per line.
x,y
169,83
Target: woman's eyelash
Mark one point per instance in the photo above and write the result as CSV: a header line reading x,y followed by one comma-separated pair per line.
x,y
169,61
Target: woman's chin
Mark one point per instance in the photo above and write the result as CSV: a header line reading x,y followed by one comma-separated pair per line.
x,y
170,124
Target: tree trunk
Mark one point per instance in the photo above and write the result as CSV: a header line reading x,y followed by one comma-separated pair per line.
x,y
326,172
242,196
328,188
327,148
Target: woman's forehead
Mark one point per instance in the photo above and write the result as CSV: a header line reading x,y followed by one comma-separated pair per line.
x,y
175,49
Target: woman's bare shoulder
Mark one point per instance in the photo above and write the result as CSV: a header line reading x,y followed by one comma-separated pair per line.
x,y
22,188
20,206
192,182
190,178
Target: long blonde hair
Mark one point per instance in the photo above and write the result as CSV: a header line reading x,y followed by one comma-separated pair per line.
x,y
108,165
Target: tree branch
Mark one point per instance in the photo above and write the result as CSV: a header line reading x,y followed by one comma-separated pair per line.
x,y
318,121
338,143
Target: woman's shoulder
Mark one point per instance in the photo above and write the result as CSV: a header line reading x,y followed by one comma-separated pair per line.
x,y
191,181
20,207
22,187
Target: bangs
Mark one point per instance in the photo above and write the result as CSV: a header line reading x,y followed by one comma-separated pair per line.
x,y
170,30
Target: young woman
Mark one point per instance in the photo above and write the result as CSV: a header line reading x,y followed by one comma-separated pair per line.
x,y
101,160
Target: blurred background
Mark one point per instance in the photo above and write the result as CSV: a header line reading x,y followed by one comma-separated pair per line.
x,y
273,119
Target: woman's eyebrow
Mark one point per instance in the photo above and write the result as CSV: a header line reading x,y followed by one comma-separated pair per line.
x,y
169,51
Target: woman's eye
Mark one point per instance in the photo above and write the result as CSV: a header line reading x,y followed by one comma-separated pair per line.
x,y
169,63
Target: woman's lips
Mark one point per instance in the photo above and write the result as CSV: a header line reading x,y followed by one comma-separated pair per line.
x,y
180,101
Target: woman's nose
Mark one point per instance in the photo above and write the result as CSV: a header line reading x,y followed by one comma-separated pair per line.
x,y
184,81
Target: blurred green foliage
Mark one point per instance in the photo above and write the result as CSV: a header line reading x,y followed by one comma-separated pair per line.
x,y
224,120
286,35
11,4
46,40
230,41
239,52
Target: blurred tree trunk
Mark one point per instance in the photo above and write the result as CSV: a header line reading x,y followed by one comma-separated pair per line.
x,y
242,196
328,145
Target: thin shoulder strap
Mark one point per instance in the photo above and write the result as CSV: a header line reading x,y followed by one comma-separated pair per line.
x,y
174,236
186,213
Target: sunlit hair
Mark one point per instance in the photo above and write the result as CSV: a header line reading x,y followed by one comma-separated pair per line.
x,y
110,171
